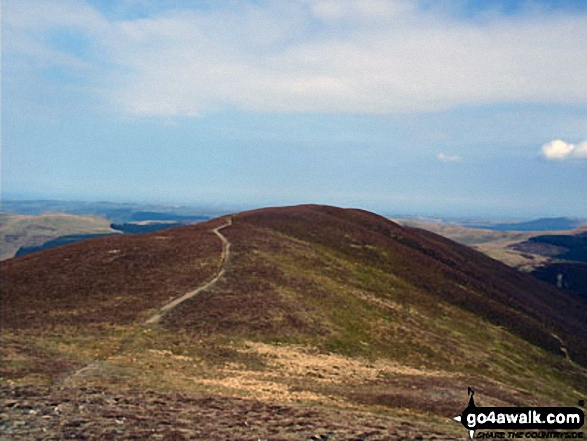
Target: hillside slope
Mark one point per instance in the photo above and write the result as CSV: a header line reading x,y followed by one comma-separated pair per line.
x,y
315,304
112,280
297,270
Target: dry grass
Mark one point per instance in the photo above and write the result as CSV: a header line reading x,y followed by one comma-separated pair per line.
x,y
123,414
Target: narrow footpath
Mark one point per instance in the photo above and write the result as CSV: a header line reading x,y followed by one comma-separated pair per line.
x,y
96,367
224,259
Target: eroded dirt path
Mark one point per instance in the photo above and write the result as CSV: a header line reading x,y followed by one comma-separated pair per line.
x,y
224,259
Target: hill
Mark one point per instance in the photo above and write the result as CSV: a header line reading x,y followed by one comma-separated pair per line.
x,y
558,258
114,212
542,224
20,231
305,306
569,276
499,245
574,247
567,266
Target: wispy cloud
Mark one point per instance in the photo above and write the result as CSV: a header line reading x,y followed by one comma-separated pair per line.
x,y
316,56
448,158
559,150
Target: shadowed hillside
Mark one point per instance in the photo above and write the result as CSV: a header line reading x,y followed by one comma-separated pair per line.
x,y
307,305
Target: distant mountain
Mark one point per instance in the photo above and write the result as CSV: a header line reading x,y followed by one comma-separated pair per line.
x,y
140,216
300,303
543,224
114,212
141,228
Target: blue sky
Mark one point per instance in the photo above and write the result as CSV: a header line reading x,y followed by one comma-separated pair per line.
x,y
454,108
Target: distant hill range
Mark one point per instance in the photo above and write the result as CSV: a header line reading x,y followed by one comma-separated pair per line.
x,y
543,224
140,216
312,302
31,226
112,211
18,232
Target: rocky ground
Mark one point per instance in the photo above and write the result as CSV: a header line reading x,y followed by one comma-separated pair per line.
x,y
58,412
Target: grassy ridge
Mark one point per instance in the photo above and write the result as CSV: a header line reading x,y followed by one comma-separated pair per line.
x,y
354,284
338,308
353,249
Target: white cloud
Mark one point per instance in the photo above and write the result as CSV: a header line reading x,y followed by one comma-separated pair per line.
x,y
320,56
351,10
559,150
448,158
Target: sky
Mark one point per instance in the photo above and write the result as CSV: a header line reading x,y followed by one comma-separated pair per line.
x,y
469,108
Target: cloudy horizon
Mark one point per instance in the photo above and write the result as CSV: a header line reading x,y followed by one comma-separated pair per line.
x,y
462,107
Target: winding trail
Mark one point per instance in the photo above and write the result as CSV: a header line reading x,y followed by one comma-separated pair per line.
x,y
97,366
224,259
